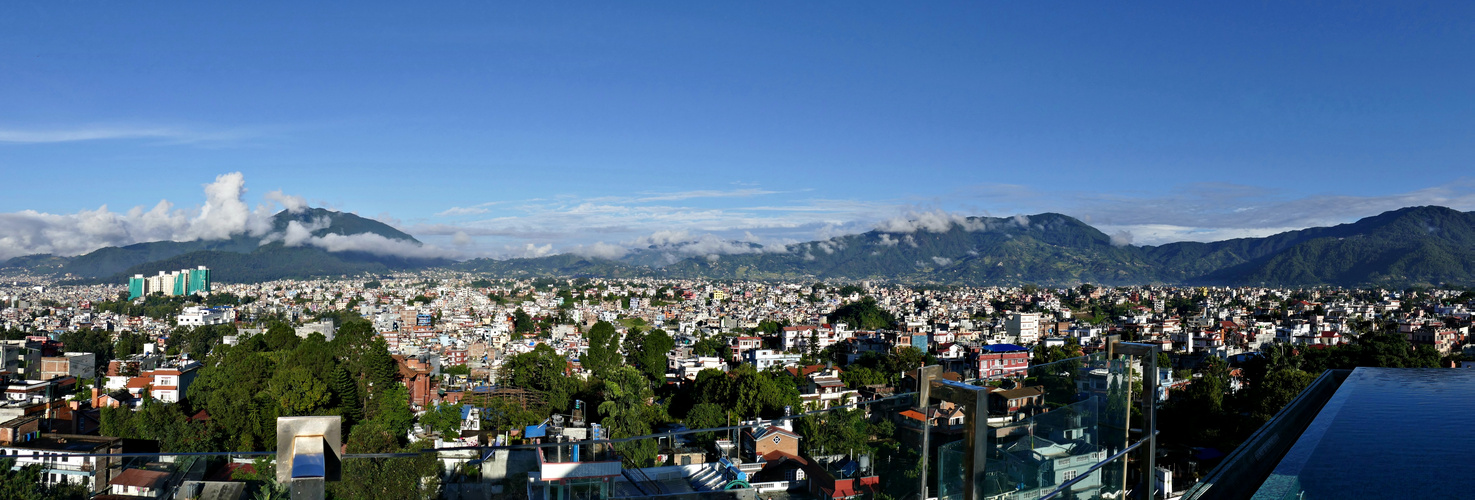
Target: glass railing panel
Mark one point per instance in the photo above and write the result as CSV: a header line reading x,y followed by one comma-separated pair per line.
x,y
1059,421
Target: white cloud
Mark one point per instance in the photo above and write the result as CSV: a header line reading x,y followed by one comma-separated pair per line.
x,y
224,214
1157,234
1218,211
170,134
292,203
533,251
1197,212
942,261
932,221
1121,238
471,210
461,239
703,193
600,250
684,244
377,245
298,233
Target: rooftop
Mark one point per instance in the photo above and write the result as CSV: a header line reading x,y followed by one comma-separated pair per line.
x,y
67,442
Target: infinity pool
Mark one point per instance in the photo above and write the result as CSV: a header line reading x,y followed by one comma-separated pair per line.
x,y
1386,433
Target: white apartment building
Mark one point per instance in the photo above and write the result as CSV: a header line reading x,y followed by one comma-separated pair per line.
x,y
1024,327
201,316
763,359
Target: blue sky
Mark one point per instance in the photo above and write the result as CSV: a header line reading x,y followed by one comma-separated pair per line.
x,y
521,128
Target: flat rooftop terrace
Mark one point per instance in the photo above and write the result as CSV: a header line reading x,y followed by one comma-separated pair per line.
x,y
1385,433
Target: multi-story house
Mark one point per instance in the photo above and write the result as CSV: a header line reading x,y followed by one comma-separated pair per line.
x,y
1024,327
58,454
1001,360
741,345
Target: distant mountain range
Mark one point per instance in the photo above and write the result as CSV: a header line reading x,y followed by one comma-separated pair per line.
x,y
1418,245
1411,246
243,258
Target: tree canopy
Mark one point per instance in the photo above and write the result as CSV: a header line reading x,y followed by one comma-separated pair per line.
x,y
864,314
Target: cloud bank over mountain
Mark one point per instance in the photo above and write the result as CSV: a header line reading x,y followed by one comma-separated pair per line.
x,y
225,214
659,227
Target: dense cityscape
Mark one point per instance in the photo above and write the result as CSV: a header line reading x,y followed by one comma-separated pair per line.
x,y
429,360
859,250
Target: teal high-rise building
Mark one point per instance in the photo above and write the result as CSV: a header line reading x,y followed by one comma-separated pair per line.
x,y
182,282
135,286
199,280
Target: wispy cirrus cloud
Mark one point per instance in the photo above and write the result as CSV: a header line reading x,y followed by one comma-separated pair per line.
x,y
113,132
477,209
704,193
639,199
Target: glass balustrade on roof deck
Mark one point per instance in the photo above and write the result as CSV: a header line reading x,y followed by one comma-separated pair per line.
x,y
1060,430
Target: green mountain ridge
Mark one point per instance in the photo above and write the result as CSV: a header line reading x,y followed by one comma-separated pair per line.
x,y
241,258
1409,246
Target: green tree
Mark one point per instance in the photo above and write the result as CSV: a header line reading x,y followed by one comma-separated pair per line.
x,y
712,386
392,409
710,346
379,367
25,483
281,337
542,370
863,315
627,412
521,322
1277,390
503,413
443,418
604,349
128,344
299,392
315,355
836,432
375,478
770,327
857,376
706,416
650,355
97,342
345,390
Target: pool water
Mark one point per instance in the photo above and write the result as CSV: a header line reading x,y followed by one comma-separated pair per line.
x,y
1386,433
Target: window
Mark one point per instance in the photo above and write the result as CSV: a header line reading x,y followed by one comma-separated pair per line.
x,y
1069,475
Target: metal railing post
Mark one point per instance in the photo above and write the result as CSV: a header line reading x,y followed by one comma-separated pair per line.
x,y
1148,353
308,454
